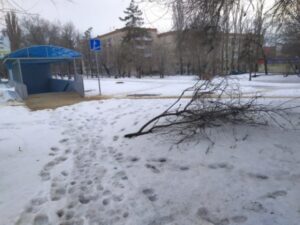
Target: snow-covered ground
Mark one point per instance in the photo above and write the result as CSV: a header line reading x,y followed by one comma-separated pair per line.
x,y
7,95
72,165
25,139
170,86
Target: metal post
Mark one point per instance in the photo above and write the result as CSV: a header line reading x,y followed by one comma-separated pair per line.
x,y
10,73
83,68
20,71
75,69
97,64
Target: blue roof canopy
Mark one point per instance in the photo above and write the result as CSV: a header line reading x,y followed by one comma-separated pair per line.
x,y
42,54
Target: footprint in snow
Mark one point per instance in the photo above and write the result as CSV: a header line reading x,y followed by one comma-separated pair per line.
x,y
54,149
220,166
152,168
258,176
276,194
119,157
162,220
159,160
134,159
118,198
207,216
184,168
149,192
63,140
120,175
38,201
255,207
41,219
115,138
239,219
60,213
45,175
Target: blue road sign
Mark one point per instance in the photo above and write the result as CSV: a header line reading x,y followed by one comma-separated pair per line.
x,y
95,45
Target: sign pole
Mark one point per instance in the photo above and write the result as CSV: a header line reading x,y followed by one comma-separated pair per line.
x,y
95,46
97,64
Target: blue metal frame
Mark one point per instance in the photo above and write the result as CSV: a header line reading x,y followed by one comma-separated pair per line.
x,y
31,66
43,53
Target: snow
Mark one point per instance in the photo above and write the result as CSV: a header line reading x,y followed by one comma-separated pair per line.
x,y
123,87
72,165
24,139
6,94
172,86
271,85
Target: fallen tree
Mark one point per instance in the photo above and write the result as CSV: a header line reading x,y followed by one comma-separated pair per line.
x,y
213,104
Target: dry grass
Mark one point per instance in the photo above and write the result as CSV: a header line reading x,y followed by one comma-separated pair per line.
x,y
56,100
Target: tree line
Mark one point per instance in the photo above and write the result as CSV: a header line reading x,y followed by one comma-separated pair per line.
x,y
34,30
224,36
24,31
212,37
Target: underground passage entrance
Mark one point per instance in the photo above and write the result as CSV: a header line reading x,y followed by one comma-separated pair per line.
x,y
45,69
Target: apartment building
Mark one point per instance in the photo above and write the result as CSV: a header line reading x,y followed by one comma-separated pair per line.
x,y
162,53
114,53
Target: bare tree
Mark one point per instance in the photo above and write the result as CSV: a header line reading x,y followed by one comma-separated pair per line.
x,y
13,30
84,48
35,31
291,30
291,37
248,52
55,30
69,36
235,38
205,22
213,104
179,26
283,9
260,29
160,55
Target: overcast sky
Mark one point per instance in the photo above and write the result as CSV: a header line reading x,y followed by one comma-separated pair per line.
x,y
102,15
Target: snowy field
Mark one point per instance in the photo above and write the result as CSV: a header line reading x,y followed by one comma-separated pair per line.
x,y
270,86
122,87
6,95
72,165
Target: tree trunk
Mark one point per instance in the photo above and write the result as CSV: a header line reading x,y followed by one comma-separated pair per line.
x,y
265,62
106,69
